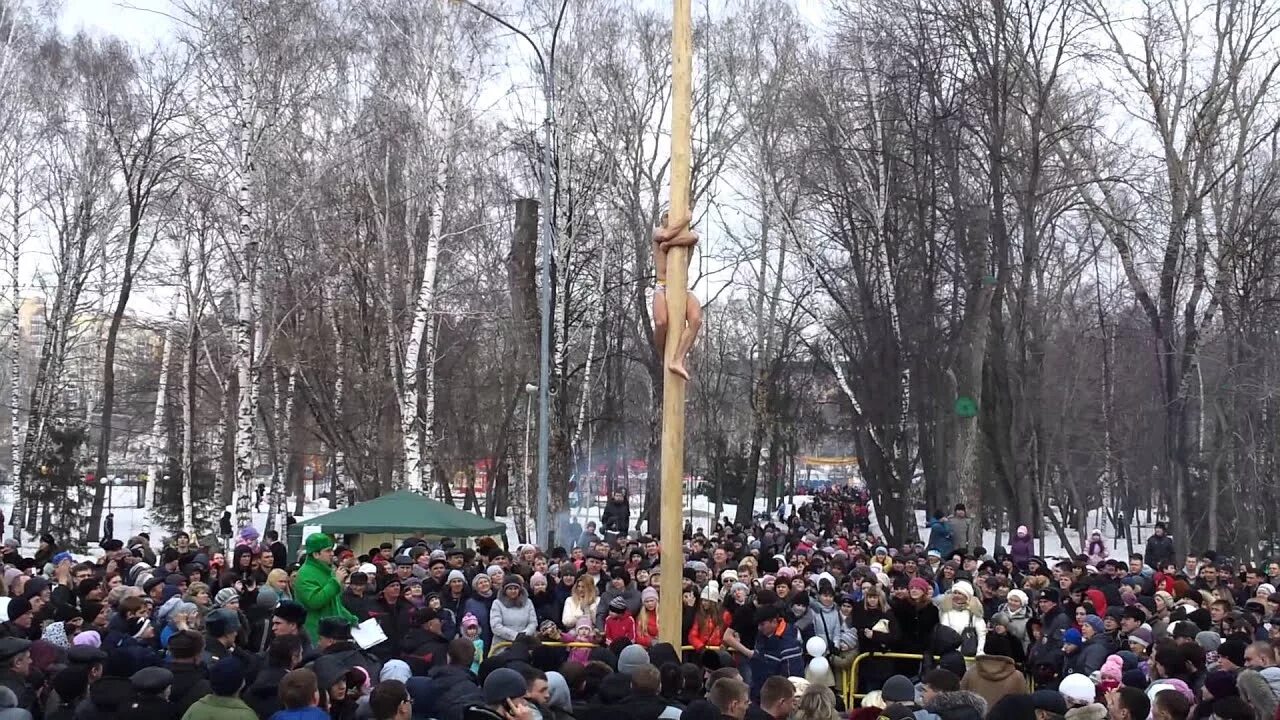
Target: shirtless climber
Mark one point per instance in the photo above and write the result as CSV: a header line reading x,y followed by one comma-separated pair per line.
x,y
665,238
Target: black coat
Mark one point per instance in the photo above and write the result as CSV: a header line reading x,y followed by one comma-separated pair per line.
x,y
263,695
190,683
458,689
152,707
616,516
915,625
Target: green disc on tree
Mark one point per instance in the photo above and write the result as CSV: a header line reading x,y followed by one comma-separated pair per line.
x,y
988,280
965,407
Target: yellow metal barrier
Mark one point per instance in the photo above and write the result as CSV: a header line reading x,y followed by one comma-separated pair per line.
x,y
498,646
850,689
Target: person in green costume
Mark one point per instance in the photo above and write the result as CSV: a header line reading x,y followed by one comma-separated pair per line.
x,y
319,586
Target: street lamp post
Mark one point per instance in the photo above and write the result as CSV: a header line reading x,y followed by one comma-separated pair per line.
x,y
547,68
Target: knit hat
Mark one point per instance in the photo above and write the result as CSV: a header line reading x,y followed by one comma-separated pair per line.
x,y
1112,667
224,596
898,689
18,607
649,594
469,620
62,557
456,575
88,638
1095,622
316,542
1209,640
227,676
222,621
1020,595
962,587
1022,530
632,657
1078,689
919,583
1072,636
1221,683
1233,649
1141,636
711,591
504,684
1049,700
55,633
618,604
583,621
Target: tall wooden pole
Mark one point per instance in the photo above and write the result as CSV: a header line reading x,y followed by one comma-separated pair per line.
x,y
669,615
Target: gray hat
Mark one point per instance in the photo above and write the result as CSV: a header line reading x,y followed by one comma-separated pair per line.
x,y
12,647
504,684
632,657
898,689
223,621
456,575
151,680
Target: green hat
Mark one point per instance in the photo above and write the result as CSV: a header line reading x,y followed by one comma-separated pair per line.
x,y
318,542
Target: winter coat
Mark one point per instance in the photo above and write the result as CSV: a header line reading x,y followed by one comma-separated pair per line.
x,y
317,589
190,683
508,618
710,634
263,694
960,619
1018,624
776,654
574,610
824,622
1020,550
616,516
9,708
915,624
1090,657
1092,711
480,607
958,705
1159,551
993,677
452,689
863,619
940,537
425,649
628,594
619,625
306,713
959,528
357,605
218,707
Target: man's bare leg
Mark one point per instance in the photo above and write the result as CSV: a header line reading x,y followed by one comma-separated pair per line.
x,y
693,323
660,321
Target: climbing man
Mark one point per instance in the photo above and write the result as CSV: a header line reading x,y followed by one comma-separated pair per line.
x,y
664,238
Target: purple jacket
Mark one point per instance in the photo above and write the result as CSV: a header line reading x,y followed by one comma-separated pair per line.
x,y
1020,550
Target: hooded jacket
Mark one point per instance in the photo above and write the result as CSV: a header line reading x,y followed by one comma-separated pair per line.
x,y
452,690
824,622
509,618
993,677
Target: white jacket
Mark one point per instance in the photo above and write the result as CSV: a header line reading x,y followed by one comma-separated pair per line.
x,y
959,620
573,611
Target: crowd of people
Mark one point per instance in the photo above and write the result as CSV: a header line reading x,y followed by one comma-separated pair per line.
x,y
775,618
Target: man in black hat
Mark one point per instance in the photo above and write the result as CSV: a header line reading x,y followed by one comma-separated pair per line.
x,y
190,682
15,667
425,646
289,619
335,641
777,650
1055,620
19,619
151,694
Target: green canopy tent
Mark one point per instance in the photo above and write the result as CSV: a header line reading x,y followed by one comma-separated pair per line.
x,y
392,518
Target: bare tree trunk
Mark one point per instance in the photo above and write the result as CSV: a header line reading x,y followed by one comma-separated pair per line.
x,y
247,371
156,445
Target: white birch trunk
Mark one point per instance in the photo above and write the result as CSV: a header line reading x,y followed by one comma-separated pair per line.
x,y
155,448
341,486
419,469
13,501
278,500
246,321
189,428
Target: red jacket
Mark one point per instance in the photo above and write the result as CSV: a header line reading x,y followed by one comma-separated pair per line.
x,y
619,626
647,636
710,636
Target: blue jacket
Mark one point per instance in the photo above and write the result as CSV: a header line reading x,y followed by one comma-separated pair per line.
x,y
940,537
306,713
777,654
